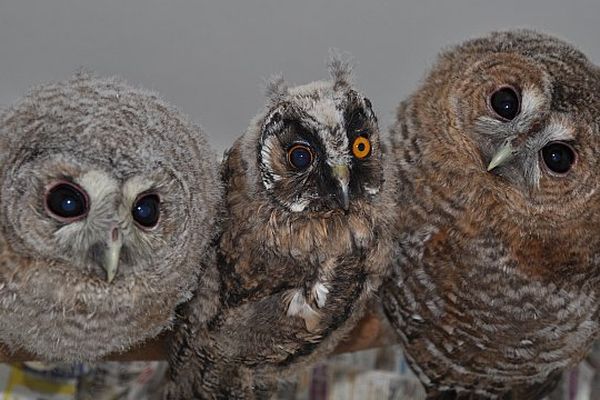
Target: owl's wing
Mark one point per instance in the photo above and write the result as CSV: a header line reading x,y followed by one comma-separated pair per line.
x,y
536,391
4,137
232,170
214,357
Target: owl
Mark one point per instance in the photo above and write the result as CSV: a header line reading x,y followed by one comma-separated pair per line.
x,y
302,248
495,283
108,204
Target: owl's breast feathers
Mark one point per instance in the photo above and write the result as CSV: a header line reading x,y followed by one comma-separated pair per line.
x,y
486,294
77,300
321,263
473,316
266,249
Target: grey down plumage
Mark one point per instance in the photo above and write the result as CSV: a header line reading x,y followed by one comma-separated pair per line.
x,y
108,203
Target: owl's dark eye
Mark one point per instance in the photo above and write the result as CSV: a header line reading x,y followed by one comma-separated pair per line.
x,y
146,210
66,202
300,156
559,157
505,103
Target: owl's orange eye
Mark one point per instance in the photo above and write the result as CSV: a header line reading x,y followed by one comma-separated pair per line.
x,y
361,147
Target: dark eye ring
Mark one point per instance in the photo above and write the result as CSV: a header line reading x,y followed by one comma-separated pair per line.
x,y
300,156
505,102
558,157
66,201
146,210
358,122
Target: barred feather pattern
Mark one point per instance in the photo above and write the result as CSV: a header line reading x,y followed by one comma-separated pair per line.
x,y
296,270
115,142
494,288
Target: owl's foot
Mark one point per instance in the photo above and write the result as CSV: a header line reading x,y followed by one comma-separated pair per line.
x,y
299,307
307,308
319,294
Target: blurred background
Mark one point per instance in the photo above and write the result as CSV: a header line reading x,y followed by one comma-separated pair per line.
x,y
211,58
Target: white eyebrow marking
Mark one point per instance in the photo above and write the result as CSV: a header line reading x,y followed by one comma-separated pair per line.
x,y
531,100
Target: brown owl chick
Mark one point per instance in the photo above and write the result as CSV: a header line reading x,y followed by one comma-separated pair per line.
x,y
302,248
495,285
108,203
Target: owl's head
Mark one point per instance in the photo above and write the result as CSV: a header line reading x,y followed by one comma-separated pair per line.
x,y
520,106
318,145
106,184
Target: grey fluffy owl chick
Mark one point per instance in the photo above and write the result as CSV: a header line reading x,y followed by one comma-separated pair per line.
x,y
303,248
108,203
496,284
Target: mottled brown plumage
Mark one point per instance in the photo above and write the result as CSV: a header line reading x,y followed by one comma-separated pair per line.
x,y
302,250
495,286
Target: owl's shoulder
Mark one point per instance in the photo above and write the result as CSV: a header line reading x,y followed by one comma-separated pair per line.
x,y
8,257
5,253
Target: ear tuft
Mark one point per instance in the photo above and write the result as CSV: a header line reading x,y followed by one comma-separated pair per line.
x,y
340,68
276,88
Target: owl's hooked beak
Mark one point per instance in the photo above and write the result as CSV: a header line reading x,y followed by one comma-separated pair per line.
x,y
110,261
341,173
503,155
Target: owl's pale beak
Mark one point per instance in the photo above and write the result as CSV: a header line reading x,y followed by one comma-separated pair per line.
x,y
503,155
110,263
341,173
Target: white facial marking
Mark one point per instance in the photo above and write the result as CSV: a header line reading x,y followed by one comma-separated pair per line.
x,y
133,187
100,188
559,129
330,119
265,154
97,185
298,206
531,100
371,191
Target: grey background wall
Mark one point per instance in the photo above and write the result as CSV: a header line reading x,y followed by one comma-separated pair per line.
x,y
211,58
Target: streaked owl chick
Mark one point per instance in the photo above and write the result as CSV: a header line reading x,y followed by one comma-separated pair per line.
x,y
302,249
108,202
495,286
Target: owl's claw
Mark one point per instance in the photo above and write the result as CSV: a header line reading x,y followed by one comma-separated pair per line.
x,y
298,307
319,294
